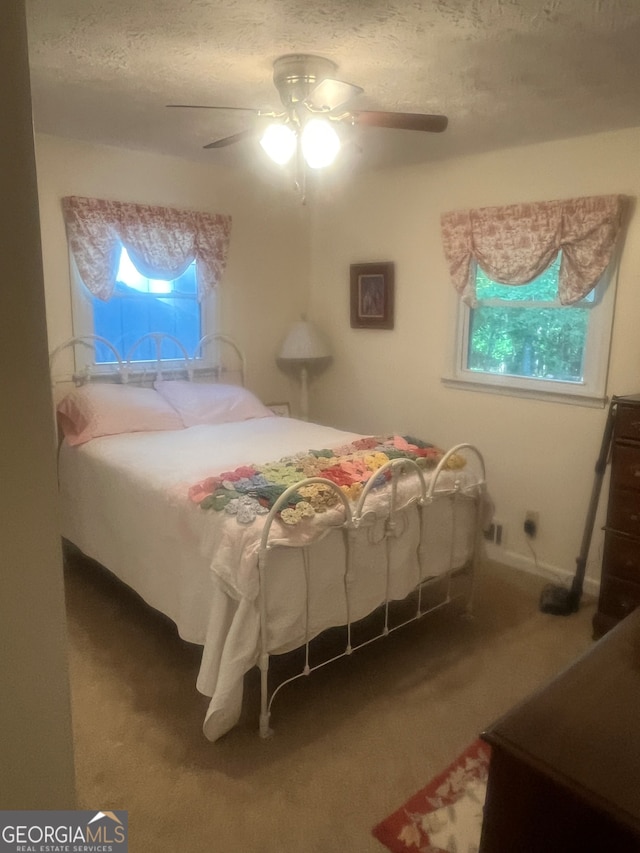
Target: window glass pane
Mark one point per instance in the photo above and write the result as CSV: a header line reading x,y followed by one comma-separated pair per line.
x,y
187,282
540,343
129,275
140,305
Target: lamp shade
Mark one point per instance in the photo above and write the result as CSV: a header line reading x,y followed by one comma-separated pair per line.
x,y
320,143
303,343
279,142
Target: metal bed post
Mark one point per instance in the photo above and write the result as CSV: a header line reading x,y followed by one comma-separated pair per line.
x,y
478,491
265,546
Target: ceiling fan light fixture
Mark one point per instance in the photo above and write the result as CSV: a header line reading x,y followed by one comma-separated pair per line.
x,y
279,142
320,143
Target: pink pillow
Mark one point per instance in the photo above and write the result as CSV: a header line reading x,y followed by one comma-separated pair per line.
x,y
99,409
207,403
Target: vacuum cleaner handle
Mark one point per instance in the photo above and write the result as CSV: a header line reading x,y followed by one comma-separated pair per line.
x,y
601,465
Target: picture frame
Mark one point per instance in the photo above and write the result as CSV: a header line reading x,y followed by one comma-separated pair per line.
x,y
372,295
282,410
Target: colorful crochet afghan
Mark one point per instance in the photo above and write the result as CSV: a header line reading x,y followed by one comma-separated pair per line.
x,y
252,490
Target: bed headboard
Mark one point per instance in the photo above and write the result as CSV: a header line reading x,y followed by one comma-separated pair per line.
x,y
217,358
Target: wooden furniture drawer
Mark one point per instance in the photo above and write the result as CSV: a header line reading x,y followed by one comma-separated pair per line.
x,y
628,422
624,511
618,598
625,470
622,557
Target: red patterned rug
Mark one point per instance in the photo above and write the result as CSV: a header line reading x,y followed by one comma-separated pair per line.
x,y
446,815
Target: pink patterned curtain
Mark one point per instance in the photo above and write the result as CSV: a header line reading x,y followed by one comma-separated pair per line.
x,y
516,243
161,241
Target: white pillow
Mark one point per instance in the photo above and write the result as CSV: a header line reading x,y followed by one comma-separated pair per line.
x,y
211,403
98,409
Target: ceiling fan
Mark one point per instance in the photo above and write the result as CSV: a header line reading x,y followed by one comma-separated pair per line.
x,y
315,103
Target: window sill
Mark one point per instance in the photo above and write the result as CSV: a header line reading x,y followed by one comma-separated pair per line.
x,y
576,399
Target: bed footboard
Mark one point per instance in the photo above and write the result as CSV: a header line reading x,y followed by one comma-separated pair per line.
x,y
455,491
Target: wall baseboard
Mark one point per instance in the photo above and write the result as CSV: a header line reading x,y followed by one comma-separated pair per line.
x,y
541,569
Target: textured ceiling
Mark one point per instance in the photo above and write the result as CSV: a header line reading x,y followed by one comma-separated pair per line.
x,y
505,72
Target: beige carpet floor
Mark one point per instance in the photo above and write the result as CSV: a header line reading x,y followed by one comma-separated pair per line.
x,y
352,742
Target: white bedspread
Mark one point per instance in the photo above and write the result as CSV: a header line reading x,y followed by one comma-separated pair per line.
x,y
124,503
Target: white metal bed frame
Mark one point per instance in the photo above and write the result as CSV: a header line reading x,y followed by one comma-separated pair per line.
x,y
356,518
203,363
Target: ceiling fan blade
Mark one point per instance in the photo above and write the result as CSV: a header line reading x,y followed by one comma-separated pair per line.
x,y
330,94
209,107
230,140
400,121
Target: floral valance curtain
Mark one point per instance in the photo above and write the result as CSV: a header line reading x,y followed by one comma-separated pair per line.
x,y
161,241
515,243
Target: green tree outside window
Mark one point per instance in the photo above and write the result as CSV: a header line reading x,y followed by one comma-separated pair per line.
x,y
522,330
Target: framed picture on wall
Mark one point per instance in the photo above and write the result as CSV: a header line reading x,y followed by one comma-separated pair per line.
x,y
372,295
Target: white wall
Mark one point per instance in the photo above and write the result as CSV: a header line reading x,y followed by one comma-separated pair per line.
x,y
286,258
266,283
539,455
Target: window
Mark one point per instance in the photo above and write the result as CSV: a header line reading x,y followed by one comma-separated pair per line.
x,y
521,339
164,281
535,319
140,305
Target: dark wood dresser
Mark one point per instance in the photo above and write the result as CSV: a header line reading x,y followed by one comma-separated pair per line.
x,y
564,775
620,581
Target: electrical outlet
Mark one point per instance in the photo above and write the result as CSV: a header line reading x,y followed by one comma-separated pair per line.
x,y
531,519
493,533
